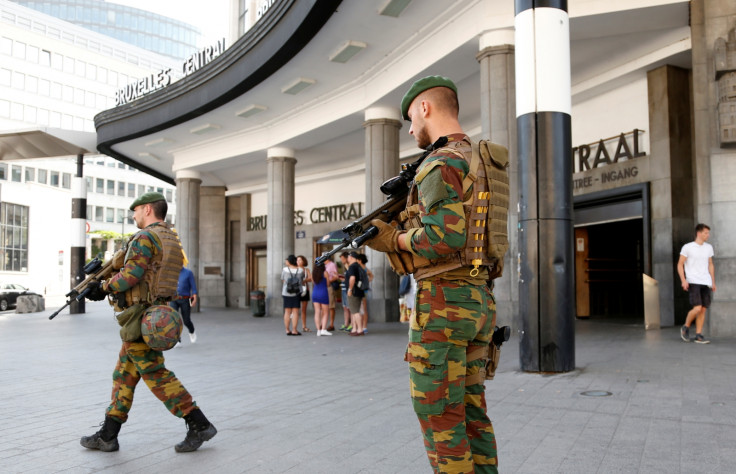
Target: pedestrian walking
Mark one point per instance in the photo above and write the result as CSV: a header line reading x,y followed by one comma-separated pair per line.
x,y
186,297
698,278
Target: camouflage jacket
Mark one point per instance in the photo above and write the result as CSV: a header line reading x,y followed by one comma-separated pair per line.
x,y
439,182
144,246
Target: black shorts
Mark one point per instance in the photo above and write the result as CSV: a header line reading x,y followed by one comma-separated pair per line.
x,y
700,295
291,302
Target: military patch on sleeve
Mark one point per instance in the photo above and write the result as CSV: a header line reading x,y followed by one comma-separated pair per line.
x,y
432,189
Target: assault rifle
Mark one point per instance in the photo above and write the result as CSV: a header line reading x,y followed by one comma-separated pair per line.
x,y
397,189
96,271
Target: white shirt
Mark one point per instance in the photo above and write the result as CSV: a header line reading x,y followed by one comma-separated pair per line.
x,y
696,263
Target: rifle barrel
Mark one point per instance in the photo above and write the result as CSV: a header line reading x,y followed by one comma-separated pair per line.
x,y
367,235
59,310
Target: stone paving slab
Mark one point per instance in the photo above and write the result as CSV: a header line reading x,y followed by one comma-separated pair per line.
x,y
340,405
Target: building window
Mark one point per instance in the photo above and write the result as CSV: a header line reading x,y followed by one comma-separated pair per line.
x,y
13,237
110,187
30,174
141,190
169,195
19,80
66,180
121,216
90,211
44,58
3,171
88,179
5,77
54,178
109,214
42,176
15,173
99,185
121,188
99,211
6,46
131,190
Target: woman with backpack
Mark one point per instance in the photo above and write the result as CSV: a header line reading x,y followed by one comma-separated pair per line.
x,y
292,280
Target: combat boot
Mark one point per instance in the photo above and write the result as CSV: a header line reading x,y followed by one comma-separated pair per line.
x,y
199,430
106,439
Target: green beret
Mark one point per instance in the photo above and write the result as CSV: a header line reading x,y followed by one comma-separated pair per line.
x,y
147,198
422,85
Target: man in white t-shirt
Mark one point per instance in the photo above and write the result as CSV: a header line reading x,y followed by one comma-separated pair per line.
x,y
698,278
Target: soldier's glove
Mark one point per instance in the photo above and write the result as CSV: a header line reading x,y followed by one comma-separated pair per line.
x,y
385,241
95,291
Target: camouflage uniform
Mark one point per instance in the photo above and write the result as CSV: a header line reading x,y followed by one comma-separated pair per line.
x,y
455,316
136,359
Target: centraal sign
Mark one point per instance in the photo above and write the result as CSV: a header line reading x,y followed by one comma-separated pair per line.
x,y
163,78
609,163
604,152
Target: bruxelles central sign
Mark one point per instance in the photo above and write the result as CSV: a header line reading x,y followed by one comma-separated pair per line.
x,y
338,212
163,78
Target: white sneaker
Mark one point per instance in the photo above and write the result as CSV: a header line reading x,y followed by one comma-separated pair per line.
x,y
325,332
193,337
178,344
319,332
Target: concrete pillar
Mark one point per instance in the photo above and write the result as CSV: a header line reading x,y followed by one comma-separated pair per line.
x,y
79,232
382,126
671,190
715,165
213,246
188,185
280,226
498,124
546,255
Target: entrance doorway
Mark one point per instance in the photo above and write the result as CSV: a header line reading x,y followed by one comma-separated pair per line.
x,y
612,251
256,269
609,266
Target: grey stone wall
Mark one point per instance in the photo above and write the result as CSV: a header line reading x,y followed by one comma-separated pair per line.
x,y
714,167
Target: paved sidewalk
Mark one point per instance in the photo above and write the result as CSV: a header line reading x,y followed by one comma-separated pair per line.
x,y
341,405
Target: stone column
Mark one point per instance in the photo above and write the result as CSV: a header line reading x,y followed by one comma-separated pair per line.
x,y
498,124
280,226
382,126
671,190
213,246
187,216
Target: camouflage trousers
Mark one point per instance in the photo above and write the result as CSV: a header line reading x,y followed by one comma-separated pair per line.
x,y
452,320
137,361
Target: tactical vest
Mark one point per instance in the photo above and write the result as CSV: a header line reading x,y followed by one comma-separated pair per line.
x,y
485,202
161,278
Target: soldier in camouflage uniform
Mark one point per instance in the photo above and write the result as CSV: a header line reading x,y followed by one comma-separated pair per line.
x,y
136,360
455,311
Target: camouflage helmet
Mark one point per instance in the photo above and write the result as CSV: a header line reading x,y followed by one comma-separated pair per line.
x,y
161,327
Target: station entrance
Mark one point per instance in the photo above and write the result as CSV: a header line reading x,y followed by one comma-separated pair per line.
x,y
612,252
